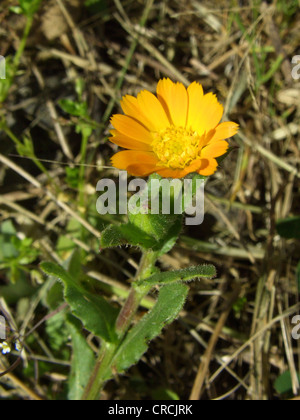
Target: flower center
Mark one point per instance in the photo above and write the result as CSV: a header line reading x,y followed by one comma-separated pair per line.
x,y
176,147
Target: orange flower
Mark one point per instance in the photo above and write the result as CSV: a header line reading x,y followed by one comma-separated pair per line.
x,y
173,134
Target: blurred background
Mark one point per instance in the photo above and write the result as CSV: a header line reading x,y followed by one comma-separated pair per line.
x,y
68,63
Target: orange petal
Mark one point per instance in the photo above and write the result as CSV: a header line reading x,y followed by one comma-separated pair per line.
x,y
128,142
205,112
179,173
131,128
216,149
154,110
141,170
123,160
208,167
174,99
224,131
171,173
132,108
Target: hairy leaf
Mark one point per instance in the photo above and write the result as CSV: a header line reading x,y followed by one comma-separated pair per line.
x,y
83,361
96,314
184,275
170,302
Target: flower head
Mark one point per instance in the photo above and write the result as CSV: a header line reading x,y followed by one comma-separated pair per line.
x,y
172,134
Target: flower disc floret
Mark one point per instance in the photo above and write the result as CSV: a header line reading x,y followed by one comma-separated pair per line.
x,y
176,147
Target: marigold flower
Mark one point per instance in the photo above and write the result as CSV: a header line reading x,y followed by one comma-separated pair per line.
x,y
172,134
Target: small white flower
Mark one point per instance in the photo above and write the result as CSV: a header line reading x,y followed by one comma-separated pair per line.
x,y
18,346
4,346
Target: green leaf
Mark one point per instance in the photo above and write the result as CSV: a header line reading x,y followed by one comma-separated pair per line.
x,y
83,361
30,7
15,253
26,148
77,109
57,332
73,265
170,302
164,394
223,157
55,296
184,275
283,383
96,6
16,9
5,84
289,228
96,314
72,177
7,249
84,128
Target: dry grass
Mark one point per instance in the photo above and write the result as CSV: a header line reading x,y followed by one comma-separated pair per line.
x,y
240,321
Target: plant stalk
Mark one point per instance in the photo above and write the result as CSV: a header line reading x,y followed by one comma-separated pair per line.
x,y
103,367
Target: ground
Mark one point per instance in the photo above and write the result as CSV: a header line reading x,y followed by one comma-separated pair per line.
x,y
64,81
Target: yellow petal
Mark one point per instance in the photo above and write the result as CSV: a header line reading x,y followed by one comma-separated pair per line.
x,y
131,128
205,112
154,110
132,108
209,167
216,149
127,158
174,99
128,142
195,95
224,131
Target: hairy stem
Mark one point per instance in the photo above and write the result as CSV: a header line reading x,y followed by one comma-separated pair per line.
x,y
103,365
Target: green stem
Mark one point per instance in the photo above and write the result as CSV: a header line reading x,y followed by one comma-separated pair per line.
x,y
97,378
104,362
22,45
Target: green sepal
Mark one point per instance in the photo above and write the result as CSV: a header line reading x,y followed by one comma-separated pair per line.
x,y
158,233
220,159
